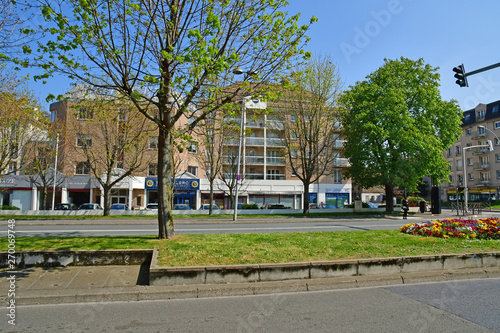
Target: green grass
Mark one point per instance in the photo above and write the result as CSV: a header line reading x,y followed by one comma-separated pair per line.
x,y
227,249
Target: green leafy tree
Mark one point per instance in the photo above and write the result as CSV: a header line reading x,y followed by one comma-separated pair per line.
x,y
308,113
162,54
397,127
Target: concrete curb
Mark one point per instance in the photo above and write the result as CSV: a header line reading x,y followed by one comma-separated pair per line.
x,y
141,293
170,276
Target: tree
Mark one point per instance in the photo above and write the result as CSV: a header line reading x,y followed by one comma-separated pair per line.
x,y
21,122
112,139
161,54
12,19
307,110
41,165
211,131
397,126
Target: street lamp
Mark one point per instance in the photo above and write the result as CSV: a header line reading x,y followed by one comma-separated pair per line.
x,y
239,71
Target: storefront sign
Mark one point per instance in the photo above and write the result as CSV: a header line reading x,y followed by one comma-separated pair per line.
x,y
180,184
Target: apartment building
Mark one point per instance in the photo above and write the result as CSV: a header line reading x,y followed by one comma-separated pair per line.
x,y
479,165
265,175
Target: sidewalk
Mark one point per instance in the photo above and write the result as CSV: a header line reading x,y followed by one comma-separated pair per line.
x,y
119,283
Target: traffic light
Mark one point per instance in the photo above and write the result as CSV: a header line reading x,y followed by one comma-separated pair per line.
x,y
460,75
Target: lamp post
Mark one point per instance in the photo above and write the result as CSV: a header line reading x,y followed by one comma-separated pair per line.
x,y
239,71
55,174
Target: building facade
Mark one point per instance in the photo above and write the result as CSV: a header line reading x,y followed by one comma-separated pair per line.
x,y
472,163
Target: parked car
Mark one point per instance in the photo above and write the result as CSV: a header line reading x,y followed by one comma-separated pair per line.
x,y
65,206
207,207
152,206
181,207
90,206
119,206
274,206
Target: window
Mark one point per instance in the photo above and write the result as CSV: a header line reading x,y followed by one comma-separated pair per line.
x,y
497,142
193,147
495,109
467,118
468,131
497,157
12,167
498,174
449,152
294,171
84,140
82,168
85,113
481,131
471,176
459,150
469,161
273,174
139,201
193,170
153,142
153,169
293,135
293,153
450,178
292,117
481,113
497,124
337,176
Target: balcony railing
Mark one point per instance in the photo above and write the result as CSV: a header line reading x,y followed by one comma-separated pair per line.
x,y
275,142
254,176
341,162
254,160
479,134
276,161
481,166
275,125
481,151
338,144
254,141
276,177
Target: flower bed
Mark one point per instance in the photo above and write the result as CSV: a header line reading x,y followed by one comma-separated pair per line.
x,y
488,228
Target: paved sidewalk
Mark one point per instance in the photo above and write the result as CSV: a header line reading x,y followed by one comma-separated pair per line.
x,y
59,285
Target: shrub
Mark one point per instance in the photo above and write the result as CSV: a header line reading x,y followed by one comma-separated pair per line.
x,y
7,207
250,206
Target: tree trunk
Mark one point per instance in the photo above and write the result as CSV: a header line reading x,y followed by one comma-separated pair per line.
x,y
165,186
306,197
211,195
106,190
389,195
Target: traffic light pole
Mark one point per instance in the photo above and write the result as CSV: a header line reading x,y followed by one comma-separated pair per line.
x,y
487,68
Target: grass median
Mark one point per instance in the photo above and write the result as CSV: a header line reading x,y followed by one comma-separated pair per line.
x,y
231,249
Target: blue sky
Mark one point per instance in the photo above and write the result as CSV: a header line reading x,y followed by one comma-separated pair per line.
x,y
359,34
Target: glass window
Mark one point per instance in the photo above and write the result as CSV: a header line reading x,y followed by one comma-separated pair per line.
x,y
153,142
153,169
495,109
193,147
85,113
82,168
193,170
84,140
497,124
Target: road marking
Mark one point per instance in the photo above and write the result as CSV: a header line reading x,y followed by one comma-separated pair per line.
x,y
206,229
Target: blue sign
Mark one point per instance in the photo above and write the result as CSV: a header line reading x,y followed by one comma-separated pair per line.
x,y
180,184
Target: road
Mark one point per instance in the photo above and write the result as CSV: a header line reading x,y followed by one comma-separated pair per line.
x,y
461,306
126,227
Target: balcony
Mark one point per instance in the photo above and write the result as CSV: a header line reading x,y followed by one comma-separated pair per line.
x,y
276,161
254,124
339,144
275,142
481,151
341,162
254,141
276,177
479,135
485,182
254,160
275,125
254,176
481,166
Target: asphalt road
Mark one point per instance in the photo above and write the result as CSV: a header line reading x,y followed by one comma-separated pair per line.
x,y
127,227
462,306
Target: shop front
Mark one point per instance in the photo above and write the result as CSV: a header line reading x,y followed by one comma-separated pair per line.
x,y
186,190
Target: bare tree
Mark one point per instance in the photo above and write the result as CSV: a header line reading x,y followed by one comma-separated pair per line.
x,y
307,110
160,53
111,137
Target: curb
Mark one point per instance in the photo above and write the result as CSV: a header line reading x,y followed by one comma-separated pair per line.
x,y
143,293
